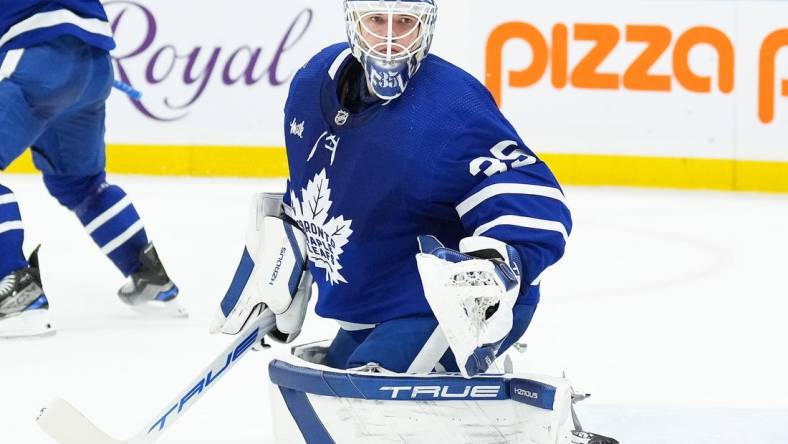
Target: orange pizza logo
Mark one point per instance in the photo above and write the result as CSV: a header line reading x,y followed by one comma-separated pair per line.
x,y
586,74
768,61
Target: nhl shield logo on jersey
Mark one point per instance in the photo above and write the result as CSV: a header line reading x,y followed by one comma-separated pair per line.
x,y
341,117
326,236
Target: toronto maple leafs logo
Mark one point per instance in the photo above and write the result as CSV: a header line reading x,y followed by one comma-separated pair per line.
x,y
326,236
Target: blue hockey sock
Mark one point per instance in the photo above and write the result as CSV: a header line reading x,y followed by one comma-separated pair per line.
x,y
11,234
113,223
107,214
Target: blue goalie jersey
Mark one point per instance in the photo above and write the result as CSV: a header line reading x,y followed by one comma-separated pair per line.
x,y
441,160
25,23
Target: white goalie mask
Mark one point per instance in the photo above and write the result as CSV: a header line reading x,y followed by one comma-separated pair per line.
x,y
390,38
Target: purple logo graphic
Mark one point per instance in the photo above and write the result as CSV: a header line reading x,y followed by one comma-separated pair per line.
x,y
196,66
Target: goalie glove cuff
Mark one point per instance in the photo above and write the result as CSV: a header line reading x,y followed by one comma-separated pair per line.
x,y
508,264
283,338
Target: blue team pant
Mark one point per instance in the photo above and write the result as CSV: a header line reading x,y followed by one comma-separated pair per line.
x,y
52,99
409,345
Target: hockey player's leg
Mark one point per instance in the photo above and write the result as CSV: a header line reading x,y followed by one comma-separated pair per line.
x,y
24,309
415,345
23,306
21,120
71,156
406,345
11,233
343,345
113,223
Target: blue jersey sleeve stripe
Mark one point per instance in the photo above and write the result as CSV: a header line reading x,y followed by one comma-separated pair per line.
x,y
524,222
55,18
509,188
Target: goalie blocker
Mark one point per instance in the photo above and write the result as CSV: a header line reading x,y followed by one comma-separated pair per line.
x,y
272,273
316,404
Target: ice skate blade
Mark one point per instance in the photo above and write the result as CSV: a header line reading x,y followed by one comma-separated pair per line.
x,y
27,324
157,309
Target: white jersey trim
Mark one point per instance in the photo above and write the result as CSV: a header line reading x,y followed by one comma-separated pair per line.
x,y
10,63
350,326
538,280
9,226
7,198
338,63
525,222
54,18
508,188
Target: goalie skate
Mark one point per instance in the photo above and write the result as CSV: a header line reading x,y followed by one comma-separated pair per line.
x,y
580,437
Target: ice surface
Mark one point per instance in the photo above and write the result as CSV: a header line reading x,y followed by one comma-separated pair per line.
x,y
670,307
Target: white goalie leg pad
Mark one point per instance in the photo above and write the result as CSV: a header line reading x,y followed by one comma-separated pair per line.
x,y
271,272
369,407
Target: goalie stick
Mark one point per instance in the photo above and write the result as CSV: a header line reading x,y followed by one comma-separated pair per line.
x,y
128,89
66,425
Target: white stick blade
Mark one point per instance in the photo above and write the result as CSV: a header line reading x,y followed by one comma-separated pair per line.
x,y
67,425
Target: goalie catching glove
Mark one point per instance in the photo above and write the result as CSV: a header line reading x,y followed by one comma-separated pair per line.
x,y
272,274
472,293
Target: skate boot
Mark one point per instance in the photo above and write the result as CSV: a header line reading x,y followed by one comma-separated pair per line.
x,y
580,437
24,309
150,291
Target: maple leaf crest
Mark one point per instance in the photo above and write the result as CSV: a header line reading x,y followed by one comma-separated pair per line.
x,y
326,237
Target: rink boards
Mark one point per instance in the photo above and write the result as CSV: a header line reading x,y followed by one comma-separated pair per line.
x,y
686,94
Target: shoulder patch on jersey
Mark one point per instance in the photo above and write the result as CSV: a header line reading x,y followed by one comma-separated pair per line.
x,y
296,128
326,236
